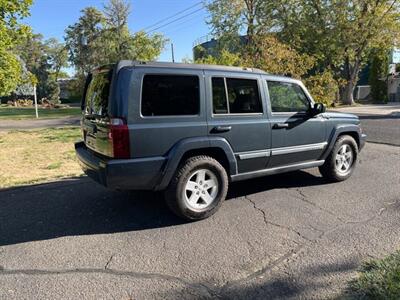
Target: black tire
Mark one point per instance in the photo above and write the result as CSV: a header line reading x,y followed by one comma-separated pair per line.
x,y
330,170
175,193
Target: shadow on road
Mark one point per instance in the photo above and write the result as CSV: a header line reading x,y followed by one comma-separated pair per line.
x,y
82,207
310,282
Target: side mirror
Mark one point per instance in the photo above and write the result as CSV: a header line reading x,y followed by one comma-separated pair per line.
x,y
318,108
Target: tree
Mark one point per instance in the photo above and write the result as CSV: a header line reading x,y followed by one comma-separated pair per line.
x,y
116,14
82,40
100,38
43,60
229,19
379,65
25,88
222,58
11,31
340,33
10,72
58,56
275,57
337,35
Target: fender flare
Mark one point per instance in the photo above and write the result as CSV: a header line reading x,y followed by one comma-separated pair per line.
x,y
176,153
339,129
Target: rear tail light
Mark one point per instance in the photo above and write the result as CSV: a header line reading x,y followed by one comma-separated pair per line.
x,y
119,137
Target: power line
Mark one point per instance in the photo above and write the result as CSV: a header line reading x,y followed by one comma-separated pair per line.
x,y
180,27
173,21
174,15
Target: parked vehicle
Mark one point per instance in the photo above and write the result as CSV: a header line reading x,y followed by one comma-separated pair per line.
x,y
190,130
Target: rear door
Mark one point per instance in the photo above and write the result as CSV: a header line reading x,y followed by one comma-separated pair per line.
x,y
236,112
166,106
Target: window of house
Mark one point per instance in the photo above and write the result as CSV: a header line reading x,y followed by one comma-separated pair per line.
x,y
287,97
235,96
170,95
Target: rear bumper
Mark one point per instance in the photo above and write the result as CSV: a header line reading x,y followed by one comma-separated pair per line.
x,y
123,174
363,140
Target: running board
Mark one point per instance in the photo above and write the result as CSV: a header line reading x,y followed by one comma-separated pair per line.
x,y
277,170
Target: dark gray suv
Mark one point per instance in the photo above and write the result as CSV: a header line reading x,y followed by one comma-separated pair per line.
x,y
189,130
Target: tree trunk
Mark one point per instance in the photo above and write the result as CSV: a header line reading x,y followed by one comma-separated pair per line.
x,y
347,93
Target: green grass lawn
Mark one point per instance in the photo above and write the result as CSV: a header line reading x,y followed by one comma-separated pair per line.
x,y
34,156
22,113
378,279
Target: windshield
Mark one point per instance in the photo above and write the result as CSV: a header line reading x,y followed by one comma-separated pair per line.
x,y
97,94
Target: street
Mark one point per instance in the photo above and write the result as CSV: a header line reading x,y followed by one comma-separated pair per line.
x,y
287,236
381,129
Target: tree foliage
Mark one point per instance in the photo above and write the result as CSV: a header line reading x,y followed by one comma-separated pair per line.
x,y
103,37
340,33
44,60
273,56
224,57
11,31
379,63
57,55
322,36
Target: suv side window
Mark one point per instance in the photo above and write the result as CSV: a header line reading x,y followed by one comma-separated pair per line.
x,y
287,97
235,96
170,95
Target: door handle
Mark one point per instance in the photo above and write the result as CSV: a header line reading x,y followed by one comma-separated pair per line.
x,y
219,129
280,125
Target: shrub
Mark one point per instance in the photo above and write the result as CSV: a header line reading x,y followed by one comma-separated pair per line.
x,y
23,103
322,87
378,72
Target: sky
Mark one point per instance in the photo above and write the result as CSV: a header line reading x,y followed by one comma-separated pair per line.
x,y
51,17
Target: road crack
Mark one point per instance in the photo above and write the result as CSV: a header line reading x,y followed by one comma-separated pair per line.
x,y
268,222
108,262
303,197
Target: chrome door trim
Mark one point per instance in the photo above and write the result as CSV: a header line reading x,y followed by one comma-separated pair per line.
x,y
254,154
280,151
301,148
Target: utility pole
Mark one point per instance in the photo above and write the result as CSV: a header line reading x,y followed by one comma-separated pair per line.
x,y
172,52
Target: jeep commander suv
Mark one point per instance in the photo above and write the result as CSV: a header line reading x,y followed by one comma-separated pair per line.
x,y
191,129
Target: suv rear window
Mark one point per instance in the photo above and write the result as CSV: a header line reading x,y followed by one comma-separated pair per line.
x,y
98,90
241,96
170,95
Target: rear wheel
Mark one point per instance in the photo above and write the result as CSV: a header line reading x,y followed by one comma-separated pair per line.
x,y
342,160
198,188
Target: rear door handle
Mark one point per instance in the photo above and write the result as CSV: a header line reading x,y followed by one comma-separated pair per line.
x,y
280,125
219,129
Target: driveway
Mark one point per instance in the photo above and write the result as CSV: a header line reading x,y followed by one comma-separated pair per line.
x,y
287,236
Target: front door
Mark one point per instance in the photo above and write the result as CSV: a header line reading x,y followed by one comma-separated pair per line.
x,y
297,136
236,112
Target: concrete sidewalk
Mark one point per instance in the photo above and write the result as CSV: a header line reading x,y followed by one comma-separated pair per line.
x,y
390,109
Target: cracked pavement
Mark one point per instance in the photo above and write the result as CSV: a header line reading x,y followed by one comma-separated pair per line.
x,y
286,236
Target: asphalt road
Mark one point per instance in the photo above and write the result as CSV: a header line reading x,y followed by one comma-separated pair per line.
x,y
6,125
287,236
381,129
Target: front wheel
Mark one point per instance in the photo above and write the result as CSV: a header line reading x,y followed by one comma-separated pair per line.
x,y
342,160
198,188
